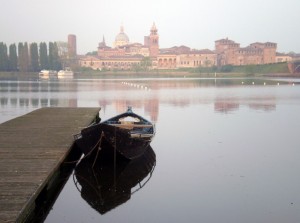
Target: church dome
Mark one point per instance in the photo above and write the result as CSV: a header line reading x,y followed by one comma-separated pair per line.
x,y
121,38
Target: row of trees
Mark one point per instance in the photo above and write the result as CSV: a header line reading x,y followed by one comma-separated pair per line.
x,y
26,58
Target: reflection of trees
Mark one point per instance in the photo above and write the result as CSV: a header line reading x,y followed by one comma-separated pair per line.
x,y
35,102
37,94
4,101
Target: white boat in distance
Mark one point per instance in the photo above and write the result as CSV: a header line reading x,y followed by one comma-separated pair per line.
x,y
66,73
47,74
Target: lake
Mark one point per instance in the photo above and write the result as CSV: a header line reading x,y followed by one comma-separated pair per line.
x,y
226,150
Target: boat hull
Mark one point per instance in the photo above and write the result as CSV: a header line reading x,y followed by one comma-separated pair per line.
x,y
89,139
100,135
125,143
130,139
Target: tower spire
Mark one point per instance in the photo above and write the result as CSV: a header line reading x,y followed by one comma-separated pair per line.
x,y
153,29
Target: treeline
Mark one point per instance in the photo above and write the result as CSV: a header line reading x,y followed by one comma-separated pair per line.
x,y
29,58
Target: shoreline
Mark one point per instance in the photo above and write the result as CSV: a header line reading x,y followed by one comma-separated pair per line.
x,y
151,74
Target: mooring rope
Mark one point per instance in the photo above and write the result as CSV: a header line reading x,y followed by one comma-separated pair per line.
x,y
89,153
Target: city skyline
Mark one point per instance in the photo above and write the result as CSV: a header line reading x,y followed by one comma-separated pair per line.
x,y
196,24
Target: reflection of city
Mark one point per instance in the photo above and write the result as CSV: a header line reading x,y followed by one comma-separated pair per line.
x,y
268,104
226,107
183,94
226,96
151,106
263,107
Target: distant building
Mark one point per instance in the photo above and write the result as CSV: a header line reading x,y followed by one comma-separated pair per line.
x,y
269,51
125,55
183,57
175,49
121,39
72,48
167,60
197,58
136,49
282,57
230,53
295,56
152,42
111,63
225,50
248,55
106,51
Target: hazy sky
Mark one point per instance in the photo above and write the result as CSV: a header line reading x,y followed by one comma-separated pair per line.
x,y
194,23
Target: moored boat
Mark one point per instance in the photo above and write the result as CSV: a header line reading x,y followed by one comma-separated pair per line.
x,y
128,133
47,74
66,73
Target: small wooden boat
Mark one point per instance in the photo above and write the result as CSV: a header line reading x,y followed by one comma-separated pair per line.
x,y
128,133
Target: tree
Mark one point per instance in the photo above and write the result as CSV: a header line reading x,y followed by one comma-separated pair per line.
x,y
3,57
20,49
23,57
136,67
250,69
13,58
51,56
26,57
226,68
93,53
34,57
57,59
207,63
146,63
43,55
54,60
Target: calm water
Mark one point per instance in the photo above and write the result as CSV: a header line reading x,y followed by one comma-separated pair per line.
x,y
226,150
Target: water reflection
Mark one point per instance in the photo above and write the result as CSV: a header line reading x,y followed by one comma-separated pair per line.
x,y
34,94
226,95
260,104
108,185
223,141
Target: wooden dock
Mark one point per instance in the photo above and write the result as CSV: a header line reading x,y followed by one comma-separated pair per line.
x,y
32,147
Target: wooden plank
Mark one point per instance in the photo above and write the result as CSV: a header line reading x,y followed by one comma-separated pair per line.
x,y
32,147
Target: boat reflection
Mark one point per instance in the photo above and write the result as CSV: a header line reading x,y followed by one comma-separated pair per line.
x,y
112,181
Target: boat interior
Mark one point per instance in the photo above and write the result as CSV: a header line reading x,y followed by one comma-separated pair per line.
x,y
130,123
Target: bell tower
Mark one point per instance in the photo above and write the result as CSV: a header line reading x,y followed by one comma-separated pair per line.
x,y
153,42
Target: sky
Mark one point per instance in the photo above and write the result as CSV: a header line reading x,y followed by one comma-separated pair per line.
x,y
193,23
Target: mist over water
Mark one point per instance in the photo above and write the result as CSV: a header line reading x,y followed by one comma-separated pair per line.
x,y
226,150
